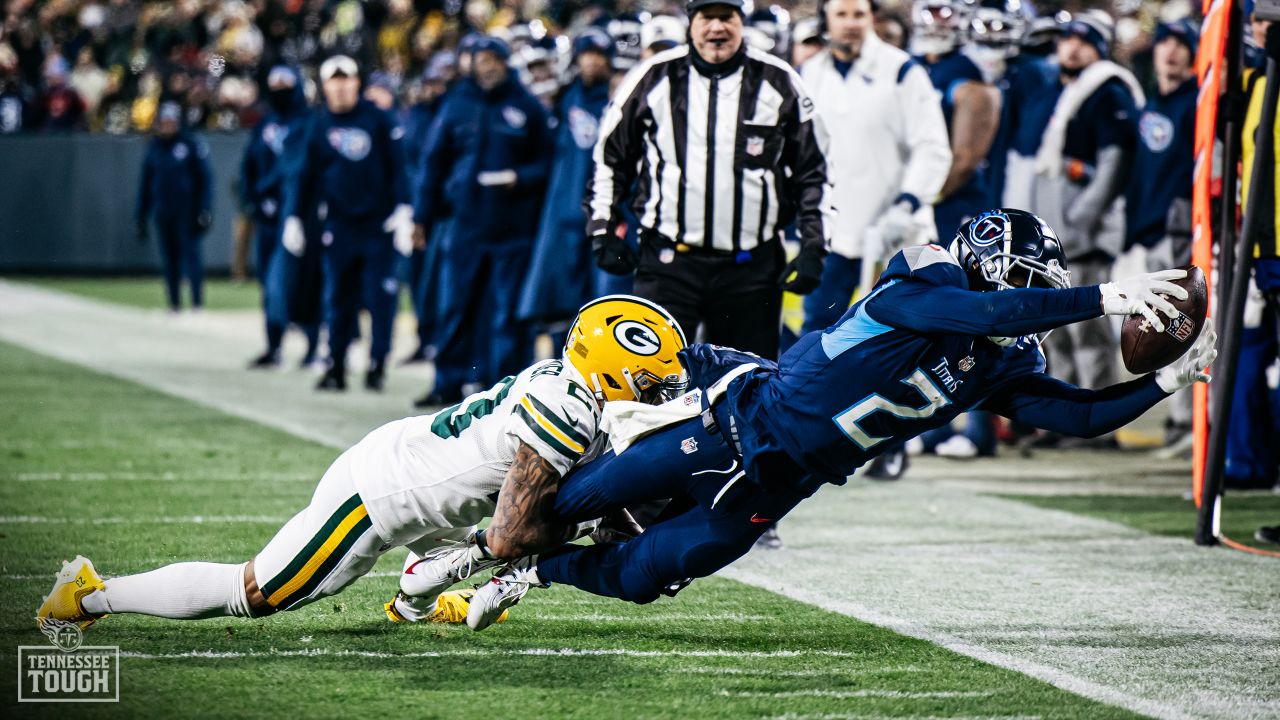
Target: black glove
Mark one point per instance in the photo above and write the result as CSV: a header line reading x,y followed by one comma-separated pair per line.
x,y
141,230
203,220
802,275
613,254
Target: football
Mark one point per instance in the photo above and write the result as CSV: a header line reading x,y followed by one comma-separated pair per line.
x,y
1144,350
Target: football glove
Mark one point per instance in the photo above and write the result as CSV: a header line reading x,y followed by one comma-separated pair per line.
x,y
896,225
803,274
294,238
613,254
400,224
1138,295
1192,367
497,178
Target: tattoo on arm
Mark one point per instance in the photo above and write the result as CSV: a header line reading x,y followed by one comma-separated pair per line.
x,y
524,522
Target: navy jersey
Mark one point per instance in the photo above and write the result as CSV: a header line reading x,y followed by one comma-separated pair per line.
x,y
1163,163
354,164
270,159
175,179
909,358
1032,95
1108,118
477,130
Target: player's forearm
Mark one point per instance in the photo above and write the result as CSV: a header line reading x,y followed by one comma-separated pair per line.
x,y
524,522
1096,412
1008,313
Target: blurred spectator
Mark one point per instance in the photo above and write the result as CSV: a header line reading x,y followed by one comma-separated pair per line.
x,y
353,166
175,191
806,40
561,276
424,105
892,28
1158,214
486,160
89,80
60,107
1081,169
14,106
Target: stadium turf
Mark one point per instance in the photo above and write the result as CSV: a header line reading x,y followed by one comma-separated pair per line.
x,y
148,292
134,479
1244,512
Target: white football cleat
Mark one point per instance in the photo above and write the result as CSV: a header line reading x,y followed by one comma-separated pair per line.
x,y
442,568
503,591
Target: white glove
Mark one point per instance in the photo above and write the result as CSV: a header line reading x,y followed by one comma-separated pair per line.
x,y
896,225
294,239
400,224
497,178
1138,294
1192,367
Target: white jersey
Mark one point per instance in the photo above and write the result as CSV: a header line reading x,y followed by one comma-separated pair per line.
x,y
888,136
445,470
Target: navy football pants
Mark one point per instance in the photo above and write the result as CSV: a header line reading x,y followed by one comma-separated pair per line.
x,y
180,254
682,461
359,271
478,338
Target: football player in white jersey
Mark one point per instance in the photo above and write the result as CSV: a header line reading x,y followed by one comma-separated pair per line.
x,y
422,482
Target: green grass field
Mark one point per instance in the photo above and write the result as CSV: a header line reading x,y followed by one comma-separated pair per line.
x,y
135,479
148,292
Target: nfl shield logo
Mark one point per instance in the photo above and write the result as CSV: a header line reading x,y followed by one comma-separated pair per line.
x,y
1180,328
966,364
755,146
689,446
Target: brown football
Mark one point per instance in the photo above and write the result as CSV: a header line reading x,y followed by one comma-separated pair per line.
x,y
1144,350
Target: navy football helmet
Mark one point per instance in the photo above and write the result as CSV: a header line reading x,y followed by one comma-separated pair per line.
x,y
1005,248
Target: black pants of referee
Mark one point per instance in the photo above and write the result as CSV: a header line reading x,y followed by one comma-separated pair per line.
x,y
734,297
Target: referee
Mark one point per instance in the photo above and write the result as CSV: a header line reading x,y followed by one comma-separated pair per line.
x,y
717,148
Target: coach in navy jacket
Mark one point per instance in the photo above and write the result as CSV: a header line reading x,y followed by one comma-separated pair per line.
x,y
176,190
486,163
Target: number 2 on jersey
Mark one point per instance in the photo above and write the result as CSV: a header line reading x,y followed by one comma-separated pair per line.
x,y
849,419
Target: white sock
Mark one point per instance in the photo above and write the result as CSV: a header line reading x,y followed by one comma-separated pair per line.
x,y
182,591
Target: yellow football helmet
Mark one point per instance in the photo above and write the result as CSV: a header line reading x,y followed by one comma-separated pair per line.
x,y
625,348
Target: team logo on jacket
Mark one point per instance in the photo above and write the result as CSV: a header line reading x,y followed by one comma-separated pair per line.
x,y
1156,131
989,229
514,116
584,127
273,135
637,337
689,446
352,143
755,146
181,151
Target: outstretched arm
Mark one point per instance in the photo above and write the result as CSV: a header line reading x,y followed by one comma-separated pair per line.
x,y
925,308
524,522
1051,404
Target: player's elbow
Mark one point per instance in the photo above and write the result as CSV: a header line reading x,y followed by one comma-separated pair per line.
x,y
504,547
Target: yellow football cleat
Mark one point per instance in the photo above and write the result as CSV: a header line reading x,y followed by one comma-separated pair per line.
x,y
75,580
451,609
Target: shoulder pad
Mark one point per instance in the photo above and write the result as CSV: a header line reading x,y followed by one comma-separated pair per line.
x,y
927,263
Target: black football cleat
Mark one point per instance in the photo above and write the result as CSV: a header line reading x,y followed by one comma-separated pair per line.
x,y
374,378
889,465
334,379
266,361
1269,534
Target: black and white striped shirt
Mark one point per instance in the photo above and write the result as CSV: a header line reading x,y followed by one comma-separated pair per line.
x,y
720,162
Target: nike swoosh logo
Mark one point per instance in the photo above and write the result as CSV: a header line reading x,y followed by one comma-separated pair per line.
x,y
755,518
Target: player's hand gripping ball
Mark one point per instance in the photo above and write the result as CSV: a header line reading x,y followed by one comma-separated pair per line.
x,y
1145,349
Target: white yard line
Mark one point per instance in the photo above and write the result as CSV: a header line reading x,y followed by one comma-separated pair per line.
x,y
1151,624
851,694
487,652
144,520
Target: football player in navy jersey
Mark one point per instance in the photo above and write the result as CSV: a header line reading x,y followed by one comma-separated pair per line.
x,y
947,329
